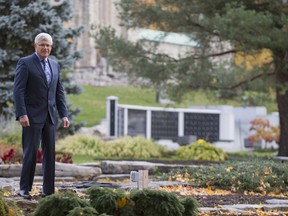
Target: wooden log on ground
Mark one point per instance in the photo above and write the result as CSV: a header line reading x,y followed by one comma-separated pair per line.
x,y
61,170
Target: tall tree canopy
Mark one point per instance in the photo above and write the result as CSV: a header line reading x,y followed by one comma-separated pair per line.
x,y
20,22
219,28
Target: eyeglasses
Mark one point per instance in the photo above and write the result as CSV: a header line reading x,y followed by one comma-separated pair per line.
x,y
44,45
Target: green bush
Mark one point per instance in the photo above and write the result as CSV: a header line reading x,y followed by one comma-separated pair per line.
x,y
85,211
190,205
82,145
3,207
124,147
133,148
155,203
59,204
12,139
201,150
8,208
145,202
106,200
10,133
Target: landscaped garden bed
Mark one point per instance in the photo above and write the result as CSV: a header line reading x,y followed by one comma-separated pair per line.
x,y
212,182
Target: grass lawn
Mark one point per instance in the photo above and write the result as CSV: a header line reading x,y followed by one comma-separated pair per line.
x,y
79,159
92,101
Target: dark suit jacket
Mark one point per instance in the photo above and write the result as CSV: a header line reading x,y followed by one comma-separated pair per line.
x,y
33,96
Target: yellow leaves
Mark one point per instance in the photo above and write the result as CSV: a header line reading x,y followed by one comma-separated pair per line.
x,y
267,170
121,202
7,193
193,191
201,141
228,169
11,212
256,60
35,191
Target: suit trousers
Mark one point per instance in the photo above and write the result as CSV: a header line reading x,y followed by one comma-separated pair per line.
x,y
31,138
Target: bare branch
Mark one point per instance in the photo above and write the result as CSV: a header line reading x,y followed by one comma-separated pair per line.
x,y
192,57
257,76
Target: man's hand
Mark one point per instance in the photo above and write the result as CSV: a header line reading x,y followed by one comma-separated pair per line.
x,y
65,122
24,121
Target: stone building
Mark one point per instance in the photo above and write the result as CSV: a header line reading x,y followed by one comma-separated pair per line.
x,y
93,68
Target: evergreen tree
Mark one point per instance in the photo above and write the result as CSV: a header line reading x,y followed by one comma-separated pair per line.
x,y
20,22
219,28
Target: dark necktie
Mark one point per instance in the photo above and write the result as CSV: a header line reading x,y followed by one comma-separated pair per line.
x,y
46,71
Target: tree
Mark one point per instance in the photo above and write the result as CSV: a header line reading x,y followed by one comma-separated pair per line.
x,y
20,22
263,131
233,27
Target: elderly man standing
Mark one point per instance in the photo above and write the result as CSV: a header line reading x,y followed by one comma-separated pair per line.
x,y
38,93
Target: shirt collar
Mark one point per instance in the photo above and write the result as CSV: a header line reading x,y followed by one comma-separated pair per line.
x,y
40,59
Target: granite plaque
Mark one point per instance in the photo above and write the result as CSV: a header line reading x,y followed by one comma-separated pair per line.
x,y
203,125
164,125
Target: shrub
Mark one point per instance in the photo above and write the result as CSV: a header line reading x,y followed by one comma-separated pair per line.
x,y
133,147
8,208
64,158
10,130
81,145
106,200
262,176
85,211
3,207
155,203
190,205
201,150
59,204
145,202
11,154
124,147
12,139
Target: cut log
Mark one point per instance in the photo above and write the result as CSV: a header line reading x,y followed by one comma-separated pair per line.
x,y
125,167
61,170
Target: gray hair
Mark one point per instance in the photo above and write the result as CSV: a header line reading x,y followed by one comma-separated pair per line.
x,y
43,36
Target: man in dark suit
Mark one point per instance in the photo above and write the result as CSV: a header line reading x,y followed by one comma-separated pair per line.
x,y
38,93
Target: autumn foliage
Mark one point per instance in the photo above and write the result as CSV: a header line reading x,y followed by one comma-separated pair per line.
x,y
264,131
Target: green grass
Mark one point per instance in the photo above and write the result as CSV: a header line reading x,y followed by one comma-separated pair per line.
x,y
92,101
79,159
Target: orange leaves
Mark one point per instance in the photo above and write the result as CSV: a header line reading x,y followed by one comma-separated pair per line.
x,y
264,131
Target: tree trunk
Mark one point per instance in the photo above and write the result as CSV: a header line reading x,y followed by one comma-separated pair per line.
x,y
282,101
280,63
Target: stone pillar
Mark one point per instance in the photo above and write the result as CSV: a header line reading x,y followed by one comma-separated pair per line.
x,y
111,115
93,12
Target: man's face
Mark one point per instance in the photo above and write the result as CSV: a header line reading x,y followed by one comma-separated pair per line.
x,y
43,48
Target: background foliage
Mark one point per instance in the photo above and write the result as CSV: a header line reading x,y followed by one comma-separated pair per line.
x,y
201,150
124,147
223,31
